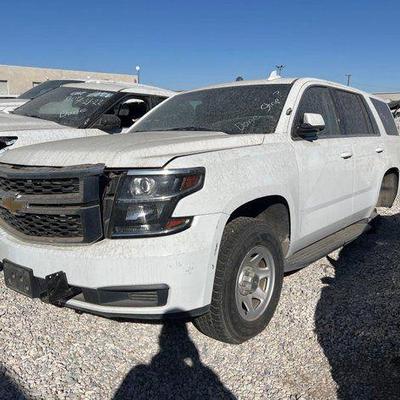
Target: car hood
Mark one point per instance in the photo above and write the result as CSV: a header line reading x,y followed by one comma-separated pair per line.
x,y
11,104
139,150
14,122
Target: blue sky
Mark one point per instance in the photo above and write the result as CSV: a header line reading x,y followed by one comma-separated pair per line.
x,y
185,44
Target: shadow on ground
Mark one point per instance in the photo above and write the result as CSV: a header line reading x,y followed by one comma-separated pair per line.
x,y
176,372
358,315
8,388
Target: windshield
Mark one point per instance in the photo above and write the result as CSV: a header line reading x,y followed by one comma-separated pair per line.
x,y
44,88
69,106
234,110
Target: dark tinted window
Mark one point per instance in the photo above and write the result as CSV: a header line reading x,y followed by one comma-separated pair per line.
x,y
130,109
386,117
317,100
156,100
353,116
372,119
234,110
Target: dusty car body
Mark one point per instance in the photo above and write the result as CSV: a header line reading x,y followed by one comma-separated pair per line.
x,y
203,206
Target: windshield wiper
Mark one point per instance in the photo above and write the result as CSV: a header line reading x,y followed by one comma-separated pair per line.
x,y
184,128
31,116
190,128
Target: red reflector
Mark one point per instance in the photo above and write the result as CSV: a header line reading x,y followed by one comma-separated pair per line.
x,y
189,181
173,223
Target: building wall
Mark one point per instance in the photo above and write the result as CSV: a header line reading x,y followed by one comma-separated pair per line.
x,y
16,80
393,96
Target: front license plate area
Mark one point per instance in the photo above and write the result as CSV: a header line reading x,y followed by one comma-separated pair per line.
x,y
19,278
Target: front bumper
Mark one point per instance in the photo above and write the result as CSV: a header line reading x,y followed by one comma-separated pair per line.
x,y
184,263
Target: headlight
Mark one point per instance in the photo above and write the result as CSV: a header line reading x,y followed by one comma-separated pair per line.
x,y
145,200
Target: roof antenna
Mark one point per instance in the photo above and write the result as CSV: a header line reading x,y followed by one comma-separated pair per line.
x,y
279,68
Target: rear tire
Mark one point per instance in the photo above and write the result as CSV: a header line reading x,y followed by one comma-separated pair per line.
x,y
248,282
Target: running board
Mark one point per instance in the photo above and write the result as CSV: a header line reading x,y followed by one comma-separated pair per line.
x,y
323,247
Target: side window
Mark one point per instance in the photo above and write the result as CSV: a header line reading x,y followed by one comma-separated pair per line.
x,y
353,116
130,109
156,100
386,116
372,119
317,100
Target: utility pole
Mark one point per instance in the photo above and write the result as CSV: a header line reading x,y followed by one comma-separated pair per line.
x,y
348,79
279,69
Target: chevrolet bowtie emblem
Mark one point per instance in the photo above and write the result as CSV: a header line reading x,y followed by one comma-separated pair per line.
x,y
13,204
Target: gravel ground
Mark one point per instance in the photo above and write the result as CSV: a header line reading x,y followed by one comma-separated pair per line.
x,y
335,335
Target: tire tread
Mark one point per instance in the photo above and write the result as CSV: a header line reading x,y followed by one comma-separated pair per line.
x,y
212,323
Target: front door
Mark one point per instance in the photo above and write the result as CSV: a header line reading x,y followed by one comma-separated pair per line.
x,y
326,170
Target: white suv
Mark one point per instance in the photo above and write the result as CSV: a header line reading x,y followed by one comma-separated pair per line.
x,y
75,110
203,207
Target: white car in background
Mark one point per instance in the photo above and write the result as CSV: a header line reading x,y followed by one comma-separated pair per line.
x,y
395,107
10,103
79,110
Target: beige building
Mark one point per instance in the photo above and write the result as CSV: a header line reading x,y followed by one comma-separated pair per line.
x,y
393,98
15,80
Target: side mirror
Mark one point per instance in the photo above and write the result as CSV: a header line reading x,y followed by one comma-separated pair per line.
x,y
107,122
311,126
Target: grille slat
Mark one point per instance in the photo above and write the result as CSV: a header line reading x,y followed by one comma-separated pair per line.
x,y
40,186
44,225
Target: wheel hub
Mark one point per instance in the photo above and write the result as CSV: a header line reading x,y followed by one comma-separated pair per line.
x,y
255,283
248,281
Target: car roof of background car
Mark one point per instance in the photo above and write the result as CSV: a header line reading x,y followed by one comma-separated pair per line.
x,y
125,87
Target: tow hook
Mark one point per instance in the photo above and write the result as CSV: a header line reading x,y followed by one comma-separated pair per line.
x,y
57,289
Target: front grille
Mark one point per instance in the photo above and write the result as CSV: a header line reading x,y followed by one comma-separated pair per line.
x,y
40,186
53,205
44,225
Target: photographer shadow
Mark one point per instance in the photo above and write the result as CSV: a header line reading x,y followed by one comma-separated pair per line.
x,y
8,388
357,319
176,372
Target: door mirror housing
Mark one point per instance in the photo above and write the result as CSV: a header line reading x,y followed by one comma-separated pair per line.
x,y
311,126
107,123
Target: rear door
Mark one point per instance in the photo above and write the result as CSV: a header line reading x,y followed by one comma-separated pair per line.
x,y
326,169
358,126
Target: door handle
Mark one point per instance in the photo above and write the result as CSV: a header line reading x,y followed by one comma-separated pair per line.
x,y
346,155
379,150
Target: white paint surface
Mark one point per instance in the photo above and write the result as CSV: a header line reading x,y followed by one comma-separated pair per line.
x,y
324,192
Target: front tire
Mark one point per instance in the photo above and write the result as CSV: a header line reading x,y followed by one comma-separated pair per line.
x,y
248,282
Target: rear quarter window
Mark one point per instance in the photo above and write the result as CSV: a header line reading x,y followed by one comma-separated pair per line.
x,y
386,116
